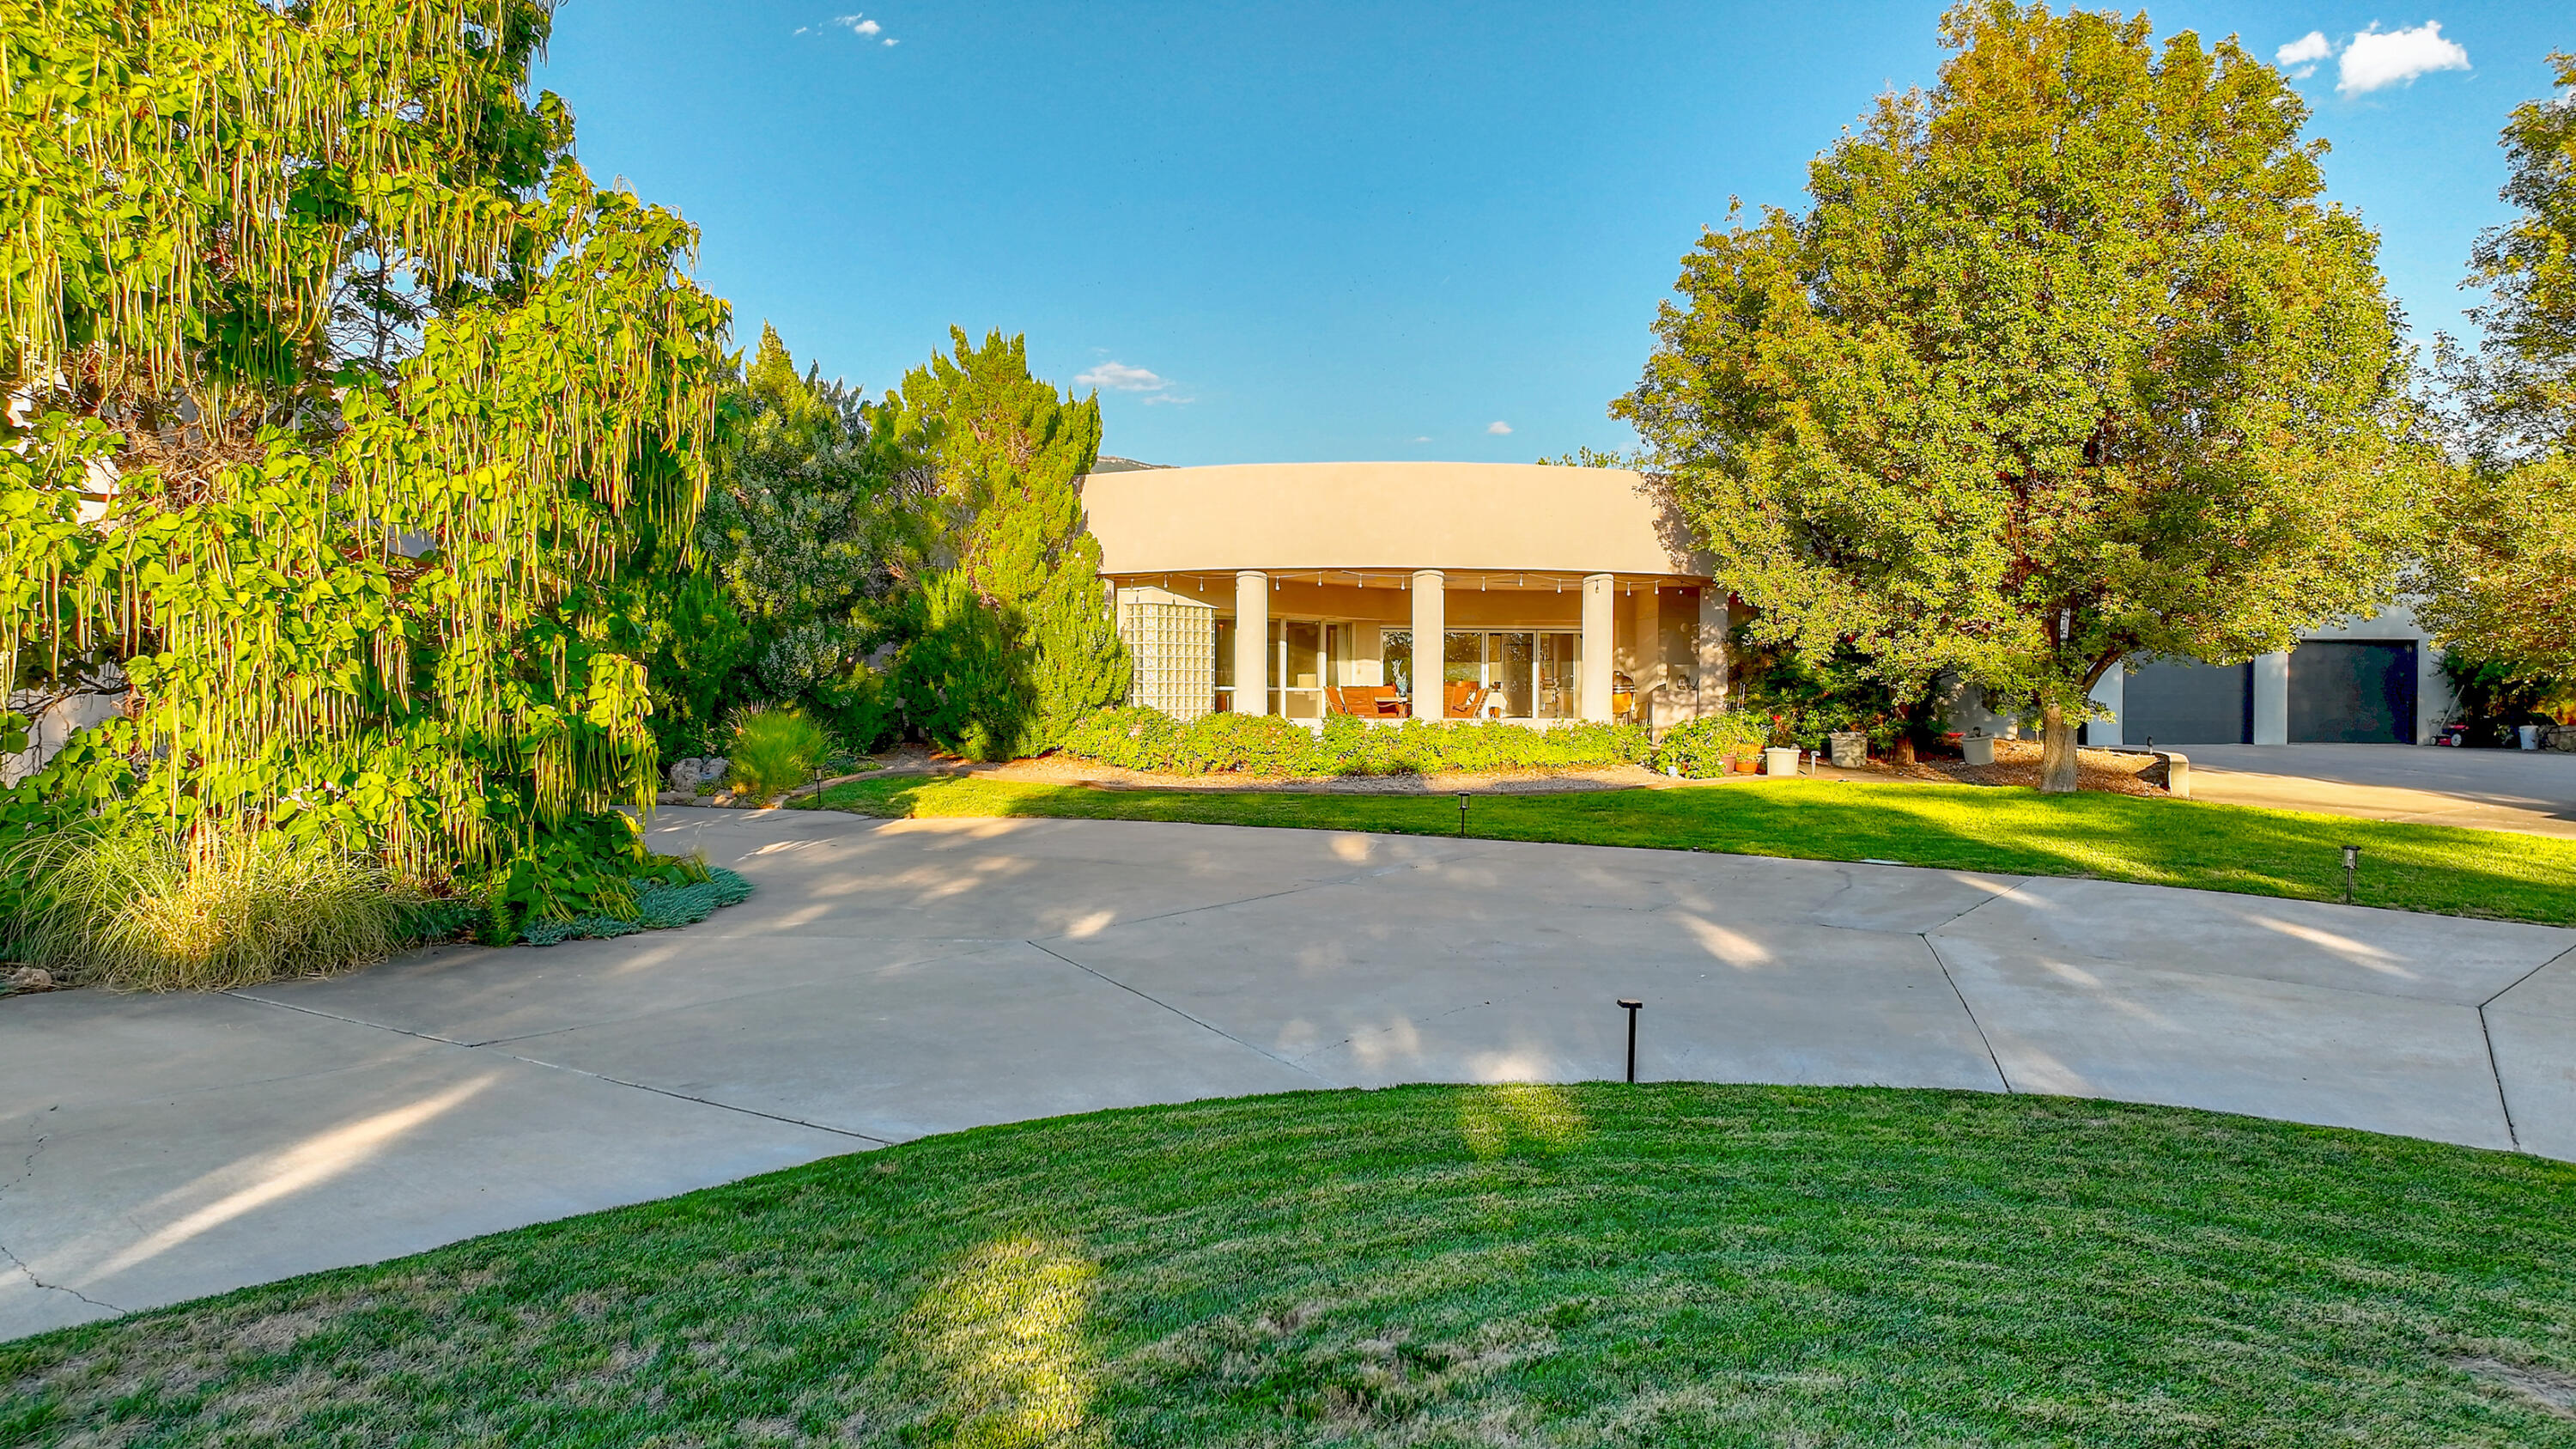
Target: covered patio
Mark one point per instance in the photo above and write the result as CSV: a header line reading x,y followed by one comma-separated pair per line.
x,y
1311,589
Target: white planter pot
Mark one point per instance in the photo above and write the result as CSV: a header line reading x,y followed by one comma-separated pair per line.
x,y
1779,760
1980,749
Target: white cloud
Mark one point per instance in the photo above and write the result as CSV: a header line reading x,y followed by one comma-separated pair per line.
x,y
1498,428
1424,439
1119,377
2311,46
1164,397
858,25
2303,53
2377,58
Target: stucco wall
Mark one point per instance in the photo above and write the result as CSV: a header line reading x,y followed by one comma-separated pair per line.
x,y
1392,516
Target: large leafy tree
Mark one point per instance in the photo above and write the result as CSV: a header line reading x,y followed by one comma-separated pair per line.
x,y
346,413
2501,571
1010,455
2065,363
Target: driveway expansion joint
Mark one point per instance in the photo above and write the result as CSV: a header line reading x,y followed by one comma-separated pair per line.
x,y
1983,1040
1185,1016
473,1046
2568,955
2504,1103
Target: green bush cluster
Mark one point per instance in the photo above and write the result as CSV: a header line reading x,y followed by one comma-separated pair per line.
x,y
1700,749
1137,738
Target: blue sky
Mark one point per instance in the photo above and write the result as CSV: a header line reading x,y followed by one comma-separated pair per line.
x,y
1336,231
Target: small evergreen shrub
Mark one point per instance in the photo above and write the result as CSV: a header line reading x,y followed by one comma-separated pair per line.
x,y
1138,738
961,680
775,750
1699,749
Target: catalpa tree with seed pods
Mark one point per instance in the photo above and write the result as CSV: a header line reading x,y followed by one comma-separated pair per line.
x,y
343,407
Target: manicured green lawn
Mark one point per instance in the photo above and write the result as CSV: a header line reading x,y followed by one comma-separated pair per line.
x,y
1959,827
1667,1265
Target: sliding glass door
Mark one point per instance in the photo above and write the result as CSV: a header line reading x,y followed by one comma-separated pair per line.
x,y
1519,674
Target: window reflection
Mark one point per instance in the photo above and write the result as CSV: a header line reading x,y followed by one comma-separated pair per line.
x,y
1512,658
1558,682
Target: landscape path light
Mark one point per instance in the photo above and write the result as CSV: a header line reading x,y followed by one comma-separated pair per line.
x,y
1630,1005
2351,862
1462,815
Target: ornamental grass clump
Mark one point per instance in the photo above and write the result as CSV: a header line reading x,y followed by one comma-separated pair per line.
x,y
225,906
775,750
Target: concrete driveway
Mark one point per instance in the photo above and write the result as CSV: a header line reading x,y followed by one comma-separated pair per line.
x,y
895,979
2533,791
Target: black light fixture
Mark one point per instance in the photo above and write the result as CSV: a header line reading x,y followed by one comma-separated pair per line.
x,y
1462,815
1630,1005
2351,863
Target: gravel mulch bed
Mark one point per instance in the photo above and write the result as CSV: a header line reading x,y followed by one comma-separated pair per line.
x,y
2017,763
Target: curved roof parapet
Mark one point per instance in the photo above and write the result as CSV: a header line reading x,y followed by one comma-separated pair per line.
x,y
1468,516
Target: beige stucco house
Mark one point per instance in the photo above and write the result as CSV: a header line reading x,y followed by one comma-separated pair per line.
x,y
1523,592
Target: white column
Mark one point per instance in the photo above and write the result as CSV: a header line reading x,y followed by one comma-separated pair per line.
x,y
1650,655
2111,692
1251,642
1430,640
2272,699
1712,663
1596,646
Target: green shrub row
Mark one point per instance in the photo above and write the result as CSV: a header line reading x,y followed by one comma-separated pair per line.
x,y
1137,738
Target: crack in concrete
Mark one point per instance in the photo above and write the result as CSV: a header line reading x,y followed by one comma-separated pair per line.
x,y
26,1170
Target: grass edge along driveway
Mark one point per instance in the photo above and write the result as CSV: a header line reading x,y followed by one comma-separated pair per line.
x,y
1670,1265
2002,830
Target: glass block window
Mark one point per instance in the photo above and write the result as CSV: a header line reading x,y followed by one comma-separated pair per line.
x,y
1171,645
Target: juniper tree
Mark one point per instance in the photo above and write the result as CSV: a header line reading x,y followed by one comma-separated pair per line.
x,y
1010,458
811,538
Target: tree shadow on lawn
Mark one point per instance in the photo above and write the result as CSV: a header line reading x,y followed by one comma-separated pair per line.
x,y
2005,830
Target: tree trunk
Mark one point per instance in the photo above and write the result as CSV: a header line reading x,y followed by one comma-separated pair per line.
x,y
2057,750
1905,748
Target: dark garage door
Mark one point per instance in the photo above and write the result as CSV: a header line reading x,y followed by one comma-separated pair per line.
x,y
2188,704
2350,693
